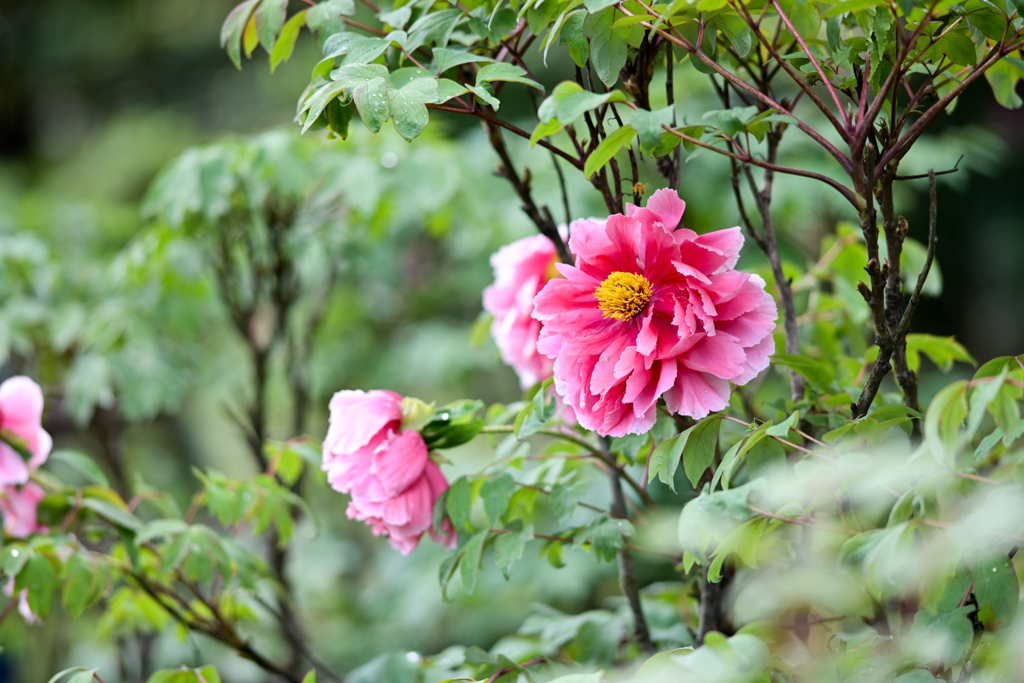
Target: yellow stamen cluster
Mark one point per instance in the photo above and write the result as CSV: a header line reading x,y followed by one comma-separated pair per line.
x,y
623,295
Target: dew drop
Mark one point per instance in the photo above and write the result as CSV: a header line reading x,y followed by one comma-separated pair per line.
x,y
388,159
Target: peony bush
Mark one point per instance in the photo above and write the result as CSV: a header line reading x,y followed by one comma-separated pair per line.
x,y
737,422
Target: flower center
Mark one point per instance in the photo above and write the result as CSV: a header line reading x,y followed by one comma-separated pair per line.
x,y
623,295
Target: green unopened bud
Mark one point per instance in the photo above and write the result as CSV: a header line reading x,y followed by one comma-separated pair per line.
x,y
415,413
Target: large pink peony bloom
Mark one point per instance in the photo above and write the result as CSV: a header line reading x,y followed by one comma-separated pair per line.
x,y
393,482
18,506
648,312
521,269
21,411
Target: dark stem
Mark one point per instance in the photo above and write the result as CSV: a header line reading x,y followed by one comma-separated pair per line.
x,y
540,216
627,572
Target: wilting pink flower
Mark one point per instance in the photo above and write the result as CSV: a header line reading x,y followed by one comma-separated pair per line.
x,y
393,482
21,411
521,269
18,505
650,312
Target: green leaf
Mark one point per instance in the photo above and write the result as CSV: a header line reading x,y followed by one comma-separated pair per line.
x,y
58,676
408,106
995,585
852,6
607,150
609,49
953,629
665,459
232,29
310,677
495,492
508,548
605,535
354,49
764,456
944,417
819,374
537,413
471,560
543,130
782,429
39,578
80,578
82,464
434,27
805,17
459,502
371,100
270,17
648,125
318,101
502,71
326,12
736,32
486,94
338,117
285,44
1002,77
701,444
445,58
115,514
574,36
942,351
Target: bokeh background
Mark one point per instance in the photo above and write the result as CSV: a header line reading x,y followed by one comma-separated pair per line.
x,y
114,311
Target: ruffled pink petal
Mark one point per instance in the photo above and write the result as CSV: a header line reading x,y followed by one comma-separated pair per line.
x,y
356,416
704,324
667,205
401,464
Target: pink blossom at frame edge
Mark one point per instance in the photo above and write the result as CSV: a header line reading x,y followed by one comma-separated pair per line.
x,y
387,471
21,412
649,312
18,506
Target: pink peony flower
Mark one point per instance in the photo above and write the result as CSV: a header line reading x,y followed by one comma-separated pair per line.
x,y
18,506
393,482
521,269
649,313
